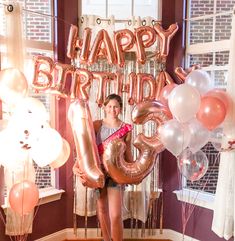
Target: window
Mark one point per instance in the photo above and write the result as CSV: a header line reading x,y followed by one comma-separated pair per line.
x,y
208,34
38,34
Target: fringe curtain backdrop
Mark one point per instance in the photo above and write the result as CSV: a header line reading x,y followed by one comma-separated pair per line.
x,y
223,219
138,199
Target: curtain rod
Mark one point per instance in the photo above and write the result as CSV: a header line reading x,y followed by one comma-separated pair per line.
x,y
128,21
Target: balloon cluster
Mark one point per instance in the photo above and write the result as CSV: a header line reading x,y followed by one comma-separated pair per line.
x,y
198,110
27,136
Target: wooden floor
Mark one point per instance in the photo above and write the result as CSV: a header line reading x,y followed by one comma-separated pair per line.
x,y
143,239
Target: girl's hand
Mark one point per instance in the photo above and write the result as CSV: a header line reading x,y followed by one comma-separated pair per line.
x,y
77,171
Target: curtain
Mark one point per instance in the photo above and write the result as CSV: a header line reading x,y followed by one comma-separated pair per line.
x,y
139,193
15,53
223,219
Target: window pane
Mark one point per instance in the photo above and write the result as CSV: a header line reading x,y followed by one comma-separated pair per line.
x,y
204,60
224,5
220,78
201,31
200,8
121,9
93,7
223,25
221,58
146,8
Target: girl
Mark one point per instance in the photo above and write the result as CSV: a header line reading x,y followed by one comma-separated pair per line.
x,y
109,202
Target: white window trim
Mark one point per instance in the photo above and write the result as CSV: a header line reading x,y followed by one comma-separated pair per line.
x,y
198,198
209,47
46,195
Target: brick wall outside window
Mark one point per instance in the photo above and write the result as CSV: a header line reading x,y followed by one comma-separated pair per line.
x,y
201,31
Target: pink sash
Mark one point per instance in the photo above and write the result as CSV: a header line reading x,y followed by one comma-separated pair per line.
x,y
117,134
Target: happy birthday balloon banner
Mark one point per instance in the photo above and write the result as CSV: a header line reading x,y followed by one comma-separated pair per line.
x,y
66,80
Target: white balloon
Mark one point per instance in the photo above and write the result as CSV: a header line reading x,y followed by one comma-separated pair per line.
x,y
200,80
184,102
174,136
199,135
47,147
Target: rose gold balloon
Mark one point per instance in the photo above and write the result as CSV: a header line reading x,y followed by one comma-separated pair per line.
x,y
142,43
141,79
81,84
23,197
43,67
63,157
131,88
62,80
212,112
165,37
113,158
107,51
182,74
165,92
13,86
72,41
84,137
121,46
223,96
102,78
84,53
160,83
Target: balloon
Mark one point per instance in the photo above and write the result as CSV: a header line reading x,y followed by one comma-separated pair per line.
x,y
12,155
200,80
47,147
102,78
212,112
63,157
61,86
13,86
84,53
84,137
165,37
199,135
163,78
131,86
142,43
81,84
113,158
165,92
73,42
141,79
223,96
97,49
193,165
216,138
23,197
174,136
15,175
182,74
43,67
184,102
122,46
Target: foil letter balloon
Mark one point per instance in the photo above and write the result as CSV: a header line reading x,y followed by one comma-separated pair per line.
x,y
124,172
84,137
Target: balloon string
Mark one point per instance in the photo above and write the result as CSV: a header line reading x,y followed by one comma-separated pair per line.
x,y
86,203
38,13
